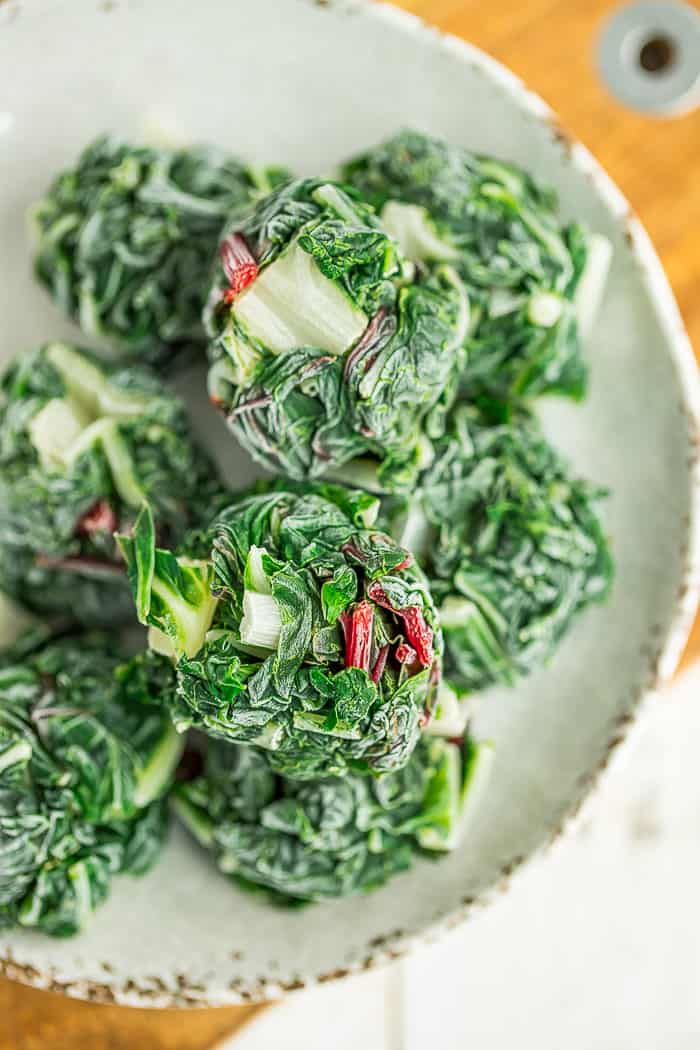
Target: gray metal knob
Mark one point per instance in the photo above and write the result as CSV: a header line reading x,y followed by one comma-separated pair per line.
x,y
649,56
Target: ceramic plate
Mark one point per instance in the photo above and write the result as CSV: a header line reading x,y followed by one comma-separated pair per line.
x,y
306,84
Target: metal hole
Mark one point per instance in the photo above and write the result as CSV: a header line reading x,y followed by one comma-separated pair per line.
x,y
657,54
649,56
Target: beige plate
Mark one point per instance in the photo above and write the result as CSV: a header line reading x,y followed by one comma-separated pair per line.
x,y
306,84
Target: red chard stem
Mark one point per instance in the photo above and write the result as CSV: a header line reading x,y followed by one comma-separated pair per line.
x,y
418,633
379,664
359,646
239,265
99,518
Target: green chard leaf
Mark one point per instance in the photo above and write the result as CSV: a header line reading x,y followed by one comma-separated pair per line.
x,y
317,839
338,592
82,445
87,753
534,284
302,632
126,238
172,595
511,544
326,344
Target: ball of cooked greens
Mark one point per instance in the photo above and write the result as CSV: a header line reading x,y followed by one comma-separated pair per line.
x,y
510,542
87,752
326,343
534,283
126,238
82,445
297,627
312,840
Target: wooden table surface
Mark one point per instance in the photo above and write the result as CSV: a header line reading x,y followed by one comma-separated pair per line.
x,y
550,44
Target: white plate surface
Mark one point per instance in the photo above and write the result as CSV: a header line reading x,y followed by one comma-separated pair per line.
x,y
306,84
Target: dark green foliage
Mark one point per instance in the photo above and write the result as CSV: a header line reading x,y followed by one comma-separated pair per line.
x,y
318,839
284,623
336,349
61,502
86,754
90,598
126,239
283,657
338,230
510,542
501,231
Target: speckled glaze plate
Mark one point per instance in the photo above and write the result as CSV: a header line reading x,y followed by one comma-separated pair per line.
x,y
307,83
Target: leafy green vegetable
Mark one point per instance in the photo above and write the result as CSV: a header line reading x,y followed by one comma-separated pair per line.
x,y
510,542
125,240
294,628
533,284
87,753
317,839
82,445
326,345
285,623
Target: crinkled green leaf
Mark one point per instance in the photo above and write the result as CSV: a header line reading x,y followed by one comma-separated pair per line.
x,y
338,592
319,839
327,384
86,754
126,238
57,549
502,232
511,543
311,709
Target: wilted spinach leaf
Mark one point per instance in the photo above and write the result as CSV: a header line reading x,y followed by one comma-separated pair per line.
x,y
511,544
533,283
326,343
318,839
126,238
82,445
265,657
87,753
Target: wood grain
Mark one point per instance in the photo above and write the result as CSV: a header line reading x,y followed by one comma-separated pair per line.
x,y
550,44
33,1020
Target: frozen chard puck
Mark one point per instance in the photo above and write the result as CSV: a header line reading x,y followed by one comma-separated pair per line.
x,y
295,626
87,753
82,445
327,344
312,840
125,240
511,544
534,282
